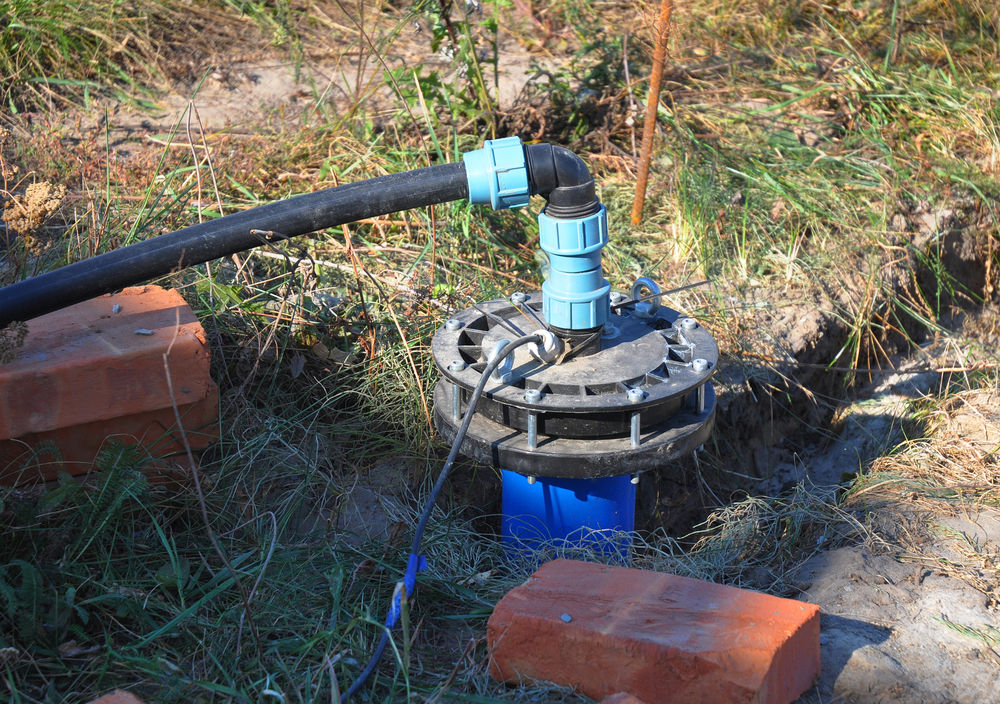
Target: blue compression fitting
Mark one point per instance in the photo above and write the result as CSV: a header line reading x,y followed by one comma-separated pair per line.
x,y
498,174
576,295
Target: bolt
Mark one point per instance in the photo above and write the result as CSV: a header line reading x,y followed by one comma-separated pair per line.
x,y
617,298
699,399
635,478
453,325
635,429
699,365
531,479
532,395
518,298
456,402
532,431
689,324
456,366
635,395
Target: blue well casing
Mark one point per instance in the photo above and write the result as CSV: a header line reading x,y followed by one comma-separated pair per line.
x,y
576,296
567,513
498,174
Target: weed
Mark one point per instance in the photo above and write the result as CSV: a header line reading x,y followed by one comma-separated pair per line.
x,y
26,214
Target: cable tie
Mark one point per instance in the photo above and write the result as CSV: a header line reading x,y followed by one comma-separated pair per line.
x,y
415,564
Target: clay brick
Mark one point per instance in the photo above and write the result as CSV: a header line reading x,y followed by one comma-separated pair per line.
x,y
84,375
118,697
621,698
22,461
659,637
85,363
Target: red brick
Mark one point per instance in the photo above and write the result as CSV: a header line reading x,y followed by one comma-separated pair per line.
x,y
84,375
621,698
85,363
659,637
118,697
79,445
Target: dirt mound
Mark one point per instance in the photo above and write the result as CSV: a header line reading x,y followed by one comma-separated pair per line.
x,y
898,632
914,617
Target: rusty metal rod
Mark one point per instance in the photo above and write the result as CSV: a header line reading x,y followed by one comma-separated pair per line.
x,y
652,104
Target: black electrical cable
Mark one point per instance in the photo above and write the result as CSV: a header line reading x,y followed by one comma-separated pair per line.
x,y
221,237
438,485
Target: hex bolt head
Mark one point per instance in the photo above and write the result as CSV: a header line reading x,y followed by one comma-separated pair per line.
x,y
456,366
699,365
616,298
635,395
689,324
532,395
453,325
518,298
532,479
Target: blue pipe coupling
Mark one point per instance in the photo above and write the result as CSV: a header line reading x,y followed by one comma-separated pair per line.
x,y
576,296
498,174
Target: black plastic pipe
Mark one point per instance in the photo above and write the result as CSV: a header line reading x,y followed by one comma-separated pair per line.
x,y
210,240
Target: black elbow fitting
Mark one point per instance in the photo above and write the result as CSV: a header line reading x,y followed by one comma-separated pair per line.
x,y
563,179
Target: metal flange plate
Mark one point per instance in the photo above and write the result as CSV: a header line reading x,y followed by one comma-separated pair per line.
x,y
585,396
504,447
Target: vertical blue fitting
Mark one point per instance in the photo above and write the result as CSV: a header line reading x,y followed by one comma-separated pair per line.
x,y
599,513
498,174
576,296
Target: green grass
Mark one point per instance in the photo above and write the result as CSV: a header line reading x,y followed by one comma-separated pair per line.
x,y
126,567
63,54
56,47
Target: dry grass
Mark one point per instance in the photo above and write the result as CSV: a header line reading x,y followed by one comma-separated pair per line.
x,y
956,461
951,472
828,123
